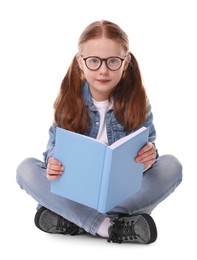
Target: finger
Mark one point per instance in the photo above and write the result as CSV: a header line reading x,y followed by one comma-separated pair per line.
x,y
149,155
149,161
55,167
52,175
52,160
50,171
146,148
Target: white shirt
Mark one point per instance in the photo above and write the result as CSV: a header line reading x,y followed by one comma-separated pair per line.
x,y
103,107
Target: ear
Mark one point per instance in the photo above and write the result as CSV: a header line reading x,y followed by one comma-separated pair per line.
x,y
126,62
80,61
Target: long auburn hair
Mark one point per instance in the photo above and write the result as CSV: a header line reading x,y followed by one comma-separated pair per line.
x,y
129,97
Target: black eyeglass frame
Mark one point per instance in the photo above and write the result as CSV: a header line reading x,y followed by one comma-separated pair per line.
x,y
105,60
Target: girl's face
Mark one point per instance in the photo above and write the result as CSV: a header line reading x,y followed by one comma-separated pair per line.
x,y
103,80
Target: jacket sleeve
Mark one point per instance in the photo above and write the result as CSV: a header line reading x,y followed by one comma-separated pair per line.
x,y
50,145
150,125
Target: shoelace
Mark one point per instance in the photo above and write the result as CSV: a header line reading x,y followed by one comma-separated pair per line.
x,y
122,231
66,227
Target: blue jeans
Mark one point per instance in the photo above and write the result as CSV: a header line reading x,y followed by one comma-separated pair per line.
x,y
158,183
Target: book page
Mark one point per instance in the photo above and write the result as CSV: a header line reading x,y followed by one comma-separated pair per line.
x,y
126,138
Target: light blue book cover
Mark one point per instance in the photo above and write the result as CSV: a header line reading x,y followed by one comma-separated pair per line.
x,y
97,175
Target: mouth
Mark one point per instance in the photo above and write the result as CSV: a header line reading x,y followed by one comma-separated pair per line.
x,y
103,80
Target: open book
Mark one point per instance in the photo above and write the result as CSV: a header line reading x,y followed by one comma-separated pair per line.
x,y
95,174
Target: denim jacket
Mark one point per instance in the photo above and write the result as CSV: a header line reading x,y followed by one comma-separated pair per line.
x,y
114,129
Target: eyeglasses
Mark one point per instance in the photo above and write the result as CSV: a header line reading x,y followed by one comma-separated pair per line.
x,y
94,63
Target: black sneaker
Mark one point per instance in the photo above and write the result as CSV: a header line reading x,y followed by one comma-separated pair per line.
x,y
136,229
51,222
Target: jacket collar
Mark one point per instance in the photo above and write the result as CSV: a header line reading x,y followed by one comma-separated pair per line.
x,y
87,97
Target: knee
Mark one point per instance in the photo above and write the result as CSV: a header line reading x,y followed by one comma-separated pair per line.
x,y
172,166
24,169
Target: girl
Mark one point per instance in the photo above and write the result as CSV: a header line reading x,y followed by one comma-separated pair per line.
x,y
102,96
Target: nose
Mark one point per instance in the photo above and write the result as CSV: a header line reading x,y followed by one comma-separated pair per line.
x,y
103,68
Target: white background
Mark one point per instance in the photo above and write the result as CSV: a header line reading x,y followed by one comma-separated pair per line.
x,y
38,39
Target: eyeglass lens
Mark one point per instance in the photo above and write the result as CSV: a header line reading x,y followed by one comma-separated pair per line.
x,y
112,63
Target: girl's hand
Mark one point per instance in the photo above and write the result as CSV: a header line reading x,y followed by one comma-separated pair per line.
x,y
147,155
54,169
